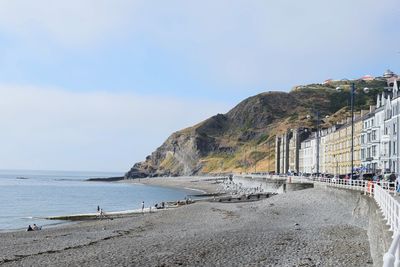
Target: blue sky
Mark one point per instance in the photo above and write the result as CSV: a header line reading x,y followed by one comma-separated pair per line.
x,y
98,85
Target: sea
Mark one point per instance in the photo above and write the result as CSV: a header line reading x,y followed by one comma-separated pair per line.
x,y
27,197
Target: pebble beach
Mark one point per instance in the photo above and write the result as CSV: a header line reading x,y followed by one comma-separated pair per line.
x,y
300,228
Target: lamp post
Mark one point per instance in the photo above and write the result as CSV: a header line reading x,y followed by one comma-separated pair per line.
x,y
397,138
352,128
352,93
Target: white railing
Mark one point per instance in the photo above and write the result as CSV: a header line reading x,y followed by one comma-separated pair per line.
x,y
392,257
391,211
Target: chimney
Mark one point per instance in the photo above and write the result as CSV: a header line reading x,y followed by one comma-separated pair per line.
x,y
364,112
372,108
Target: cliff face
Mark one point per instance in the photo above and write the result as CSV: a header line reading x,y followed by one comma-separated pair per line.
x,y
244,136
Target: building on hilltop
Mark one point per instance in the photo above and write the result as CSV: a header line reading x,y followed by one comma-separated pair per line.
x,y
388,74
367,78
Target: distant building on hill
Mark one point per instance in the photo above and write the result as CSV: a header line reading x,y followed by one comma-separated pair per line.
x,y
367,78
388,74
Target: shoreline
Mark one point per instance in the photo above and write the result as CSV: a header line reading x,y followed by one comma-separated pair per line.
x,y
174,183
292,229
206,185
166,182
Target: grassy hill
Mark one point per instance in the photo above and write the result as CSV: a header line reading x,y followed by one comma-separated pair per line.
x,y
243,139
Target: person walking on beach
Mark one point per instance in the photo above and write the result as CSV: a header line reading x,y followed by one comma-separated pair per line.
x,y
142,206
98,208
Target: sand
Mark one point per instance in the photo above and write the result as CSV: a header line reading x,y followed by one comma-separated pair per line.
x,y
199,183
293,229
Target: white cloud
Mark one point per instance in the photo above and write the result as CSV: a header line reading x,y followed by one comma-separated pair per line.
x,y
45,128
240,44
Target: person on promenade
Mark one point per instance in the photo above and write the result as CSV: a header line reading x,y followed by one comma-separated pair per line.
x,y
398,184
142,206
98,208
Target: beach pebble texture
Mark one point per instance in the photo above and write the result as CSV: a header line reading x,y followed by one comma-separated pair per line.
x,y
302,228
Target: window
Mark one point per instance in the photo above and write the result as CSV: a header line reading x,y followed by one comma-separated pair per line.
x,y
372,122
386,130
369,137
373,151
373,135
368,152
394,147
394,128
363,154
362,139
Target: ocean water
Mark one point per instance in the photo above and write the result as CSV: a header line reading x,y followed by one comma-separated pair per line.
x,y
26,197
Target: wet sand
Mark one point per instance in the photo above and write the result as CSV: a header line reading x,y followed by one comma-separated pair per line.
x,y
202,184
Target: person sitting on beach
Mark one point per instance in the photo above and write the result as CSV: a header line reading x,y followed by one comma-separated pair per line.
x,y
29,228
36,228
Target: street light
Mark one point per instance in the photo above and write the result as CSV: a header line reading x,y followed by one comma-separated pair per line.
x,y
352,92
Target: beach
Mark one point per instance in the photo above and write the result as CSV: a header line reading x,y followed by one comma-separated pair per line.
x,y
203,184
300,228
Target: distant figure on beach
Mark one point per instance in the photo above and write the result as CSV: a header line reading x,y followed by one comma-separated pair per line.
x,y
101,212
36,228
29,228
142,206
98,208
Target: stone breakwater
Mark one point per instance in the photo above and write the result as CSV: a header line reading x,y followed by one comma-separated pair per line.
x,y
302,228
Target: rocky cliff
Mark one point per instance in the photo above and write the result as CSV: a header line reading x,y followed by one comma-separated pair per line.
x,y
243,138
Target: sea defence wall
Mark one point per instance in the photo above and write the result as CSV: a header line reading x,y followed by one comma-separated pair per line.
x,y
271,185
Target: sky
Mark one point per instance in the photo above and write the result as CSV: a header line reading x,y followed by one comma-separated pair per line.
x,y
98,85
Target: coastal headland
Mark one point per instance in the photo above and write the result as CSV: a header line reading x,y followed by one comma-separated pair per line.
x,y
313,227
